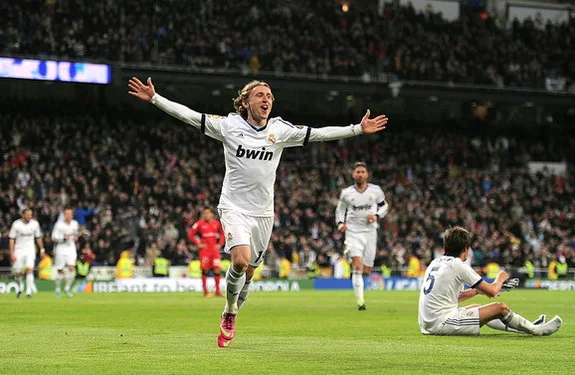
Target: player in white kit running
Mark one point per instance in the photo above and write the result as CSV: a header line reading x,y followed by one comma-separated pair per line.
x,y
443,288
65,236
358,212
253,144
23,232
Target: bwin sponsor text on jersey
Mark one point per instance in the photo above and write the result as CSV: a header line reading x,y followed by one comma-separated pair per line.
x,y
254,154
362,207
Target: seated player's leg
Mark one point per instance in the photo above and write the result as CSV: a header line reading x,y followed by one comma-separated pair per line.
x,y
499,310
355,245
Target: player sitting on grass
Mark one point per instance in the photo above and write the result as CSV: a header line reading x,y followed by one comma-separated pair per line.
x,y
442,289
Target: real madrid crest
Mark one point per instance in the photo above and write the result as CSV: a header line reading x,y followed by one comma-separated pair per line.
x,y
272,138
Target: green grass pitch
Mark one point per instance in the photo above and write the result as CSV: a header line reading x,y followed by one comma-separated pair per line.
x,y
307,332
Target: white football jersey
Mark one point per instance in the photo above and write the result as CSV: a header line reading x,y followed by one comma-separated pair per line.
x,y
445,278
252,156
61,229
354,207
24,234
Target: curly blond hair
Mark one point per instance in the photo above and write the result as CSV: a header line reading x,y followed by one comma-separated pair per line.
x,y
244,93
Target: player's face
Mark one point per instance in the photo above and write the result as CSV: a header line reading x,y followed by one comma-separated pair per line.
x,y
68,215
208,215
360,175
27,215
259,104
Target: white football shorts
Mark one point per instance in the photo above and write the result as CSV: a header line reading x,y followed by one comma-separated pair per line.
x,y
362,244
24,258
253,231
463,322
64,258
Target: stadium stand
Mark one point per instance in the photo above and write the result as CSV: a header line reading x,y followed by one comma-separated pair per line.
x,y
306,37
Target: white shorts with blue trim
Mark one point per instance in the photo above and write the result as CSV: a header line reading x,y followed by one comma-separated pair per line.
x,y
464,322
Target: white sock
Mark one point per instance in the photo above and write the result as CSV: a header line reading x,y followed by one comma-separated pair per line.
x,y
499,325
70,279
518,322
234,283
29,282
243,296
20,281
58,281
357,281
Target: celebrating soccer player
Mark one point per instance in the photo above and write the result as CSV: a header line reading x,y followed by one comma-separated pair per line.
x,y
253,144
357,214
210,242
442,289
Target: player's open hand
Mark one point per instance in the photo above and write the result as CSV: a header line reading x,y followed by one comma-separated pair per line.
x,y
141,91
373,125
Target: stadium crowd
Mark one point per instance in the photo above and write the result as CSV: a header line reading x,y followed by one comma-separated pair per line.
x,y
139,183
306,36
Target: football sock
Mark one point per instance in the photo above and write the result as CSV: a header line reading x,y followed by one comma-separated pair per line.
x,y
20,281
234,283
205,283
518,322
244,293
29,282
357,281
70,276
499,325
58,281
217,280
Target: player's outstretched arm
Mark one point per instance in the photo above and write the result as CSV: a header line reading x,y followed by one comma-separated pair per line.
x,y
332,133
147,92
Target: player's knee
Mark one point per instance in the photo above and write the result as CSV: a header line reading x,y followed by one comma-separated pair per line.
x,y
241,265
502,308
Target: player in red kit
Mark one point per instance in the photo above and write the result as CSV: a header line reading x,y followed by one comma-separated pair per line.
x,y
211,239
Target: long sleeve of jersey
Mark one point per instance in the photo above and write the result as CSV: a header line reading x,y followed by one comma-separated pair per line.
x,y
200,121
382,208
332,133
340,210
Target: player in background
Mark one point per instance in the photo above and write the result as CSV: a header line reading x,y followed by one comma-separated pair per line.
x,y
65,235
210,241
443,288
358,212
23,251
253,144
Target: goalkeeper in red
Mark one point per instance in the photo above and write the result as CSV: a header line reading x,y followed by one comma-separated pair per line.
x,y
207,234
253,143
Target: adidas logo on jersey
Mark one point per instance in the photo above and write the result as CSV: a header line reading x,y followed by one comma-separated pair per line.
x,y
254,154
